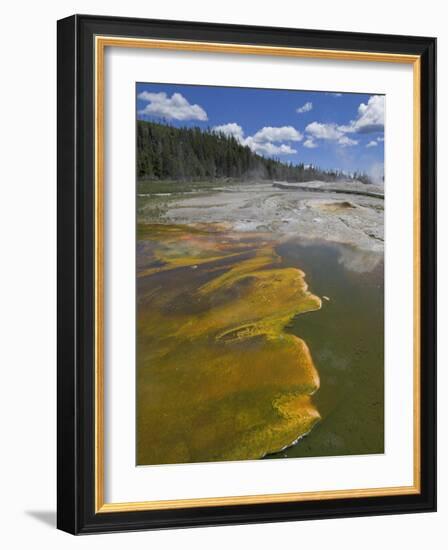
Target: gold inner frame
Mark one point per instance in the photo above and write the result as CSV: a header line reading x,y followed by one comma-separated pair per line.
x,y
101,42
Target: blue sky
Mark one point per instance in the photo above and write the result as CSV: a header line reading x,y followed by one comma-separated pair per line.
x,y
330,130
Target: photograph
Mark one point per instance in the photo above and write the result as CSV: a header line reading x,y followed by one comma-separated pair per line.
x,y
259,273
219,280
246,273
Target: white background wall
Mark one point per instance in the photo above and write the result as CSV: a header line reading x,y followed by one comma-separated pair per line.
x,y
28,272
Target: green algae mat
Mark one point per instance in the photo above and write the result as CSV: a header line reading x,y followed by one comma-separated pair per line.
x,y
219,377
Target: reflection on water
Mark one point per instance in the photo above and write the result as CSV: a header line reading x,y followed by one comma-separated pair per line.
x,y
360,261
346,340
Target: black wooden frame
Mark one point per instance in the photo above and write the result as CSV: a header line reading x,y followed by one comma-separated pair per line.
x,y
76,513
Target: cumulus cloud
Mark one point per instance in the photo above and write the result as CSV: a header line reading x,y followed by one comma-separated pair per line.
x,y
321,130
282,133
310,143
175,107
231,129
264,141
268,148
305,108
370,117
345,141
329,132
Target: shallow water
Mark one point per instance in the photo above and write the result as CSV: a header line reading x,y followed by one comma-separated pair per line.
x,y
231,346
218,377
346,339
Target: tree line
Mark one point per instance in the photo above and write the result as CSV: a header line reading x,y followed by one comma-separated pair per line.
x,y
165,152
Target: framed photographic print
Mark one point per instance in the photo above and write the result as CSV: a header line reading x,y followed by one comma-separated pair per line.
x,y
246,274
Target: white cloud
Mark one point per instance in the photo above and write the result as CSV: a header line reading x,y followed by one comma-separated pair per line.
x,y
310,143
268,148
381,138
231,129
370,117
321,130
345,141
305,108
282,133
263,141
329,132
175,107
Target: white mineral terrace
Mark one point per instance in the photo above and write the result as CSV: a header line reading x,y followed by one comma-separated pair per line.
x,y
349,212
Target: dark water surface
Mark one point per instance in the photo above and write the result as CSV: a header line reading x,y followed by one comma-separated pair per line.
x,y
346,339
